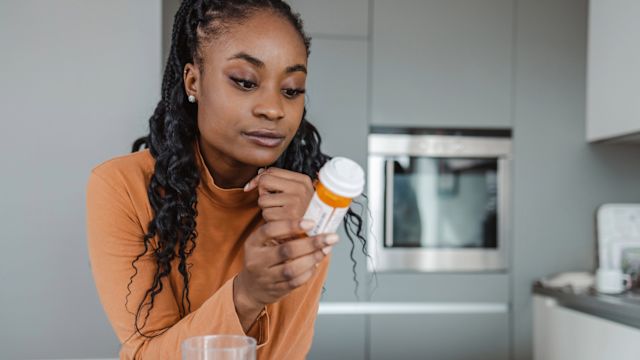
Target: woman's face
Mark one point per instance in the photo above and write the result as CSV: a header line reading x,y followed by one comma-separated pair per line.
x,y
250,90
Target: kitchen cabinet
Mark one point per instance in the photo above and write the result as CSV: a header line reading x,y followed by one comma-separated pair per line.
x,y
441,287
336,105
337,18
442,63
440,336
339,337
464,316
561,333
613,79
336,96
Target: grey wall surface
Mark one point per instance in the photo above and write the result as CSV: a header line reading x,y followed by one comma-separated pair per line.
x,y
79,80
559,178
169,8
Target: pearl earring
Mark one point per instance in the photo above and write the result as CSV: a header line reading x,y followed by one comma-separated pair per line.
x,y
192,99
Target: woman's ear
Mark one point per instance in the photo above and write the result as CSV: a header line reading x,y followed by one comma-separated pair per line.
x,y
191,78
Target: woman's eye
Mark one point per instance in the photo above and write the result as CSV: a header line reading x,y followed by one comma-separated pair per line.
x,y
292,93
244,84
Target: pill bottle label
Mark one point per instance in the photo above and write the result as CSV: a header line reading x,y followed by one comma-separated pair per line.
x,y
327,218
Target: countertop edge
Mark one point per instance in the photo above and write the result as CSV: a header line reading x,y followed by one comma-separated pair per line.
x,y
618,308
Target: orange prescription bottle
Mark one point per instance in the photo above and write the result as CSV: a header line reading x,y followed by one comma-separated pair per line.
x,y
339,181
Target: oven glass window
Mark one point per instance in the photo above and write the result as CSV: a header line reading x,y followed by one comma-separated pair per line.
x,y
442,202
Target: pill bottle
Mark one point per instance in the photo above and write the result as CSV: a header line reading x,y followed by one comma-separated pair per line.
x,y
339,181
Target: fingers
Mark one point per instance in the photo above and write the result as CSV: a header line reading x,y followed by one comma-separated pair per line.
x,y
295,272
251,184
281,229
271,272
274,214
294,249
276,179
298,281
282,206
268,183
276,200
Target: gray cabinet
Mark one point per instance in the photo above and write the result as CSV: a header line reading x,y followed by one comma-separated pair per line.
x,y
452,317
439,337
342,18
613,78
442,63
442,288
336,104
339,337
336,90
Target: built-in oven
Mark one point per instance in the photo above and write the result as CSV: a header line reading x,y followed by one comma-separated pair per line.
x,y
439,202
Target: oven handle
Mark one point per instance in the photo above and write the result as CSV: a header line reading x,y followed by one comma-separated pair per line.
x,y
388,213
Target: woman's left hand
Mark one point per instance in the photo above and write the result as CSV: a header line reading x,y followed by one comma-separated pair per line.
x,y
283,194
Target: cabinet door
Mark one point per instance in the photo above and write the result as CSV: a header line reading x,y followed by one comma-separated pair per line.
x,y
441,288
336,96
440,337
336,105
560,333
613,100
339,337
333,17
442,63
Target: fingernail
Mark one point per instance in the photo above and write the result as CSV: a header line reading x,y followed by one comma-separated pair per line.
x,y
331,239
307,224
246,187
327,250
260,171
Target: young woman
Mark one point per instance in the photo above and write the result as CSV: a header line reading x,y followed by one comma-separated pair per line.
x,y
190,236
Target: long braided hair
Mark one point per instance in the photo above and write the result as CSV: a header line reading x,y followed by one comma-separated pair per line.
x,y
172,132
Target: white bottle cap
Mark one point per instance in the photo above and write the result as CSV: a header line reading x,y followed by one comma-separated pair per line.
x,y
343,177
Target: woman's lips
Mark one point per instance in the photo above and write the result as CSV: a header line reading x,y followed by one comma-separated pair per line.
x,y
266,138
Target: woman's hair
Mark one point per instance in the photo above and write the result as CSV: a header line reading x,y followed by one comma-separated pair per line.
x,y
172,132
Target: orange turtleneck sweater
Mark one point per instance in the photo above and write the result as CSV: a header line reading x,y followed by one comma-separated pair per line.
x,y
118,214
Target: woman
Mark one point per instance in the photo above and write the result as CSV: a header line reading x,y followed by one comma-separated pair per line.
x,y
191,237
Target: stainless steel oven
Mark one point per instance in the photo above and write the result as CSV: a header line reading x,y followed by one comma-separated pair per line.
x,y
439,202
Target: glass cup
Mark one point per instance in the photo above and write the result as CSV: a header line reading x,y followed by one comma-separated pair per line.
x,y
219,347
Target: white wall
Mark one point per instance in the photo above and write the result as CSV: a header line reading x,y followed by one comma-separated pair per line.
x,y
78,81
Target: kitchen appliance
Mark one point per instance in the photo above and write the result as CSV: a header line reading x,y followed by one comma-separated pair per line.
x,y
618,237
439,202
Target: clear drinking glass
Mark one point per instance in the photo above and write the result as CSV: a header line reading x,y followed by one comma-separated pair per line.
x,y
219,347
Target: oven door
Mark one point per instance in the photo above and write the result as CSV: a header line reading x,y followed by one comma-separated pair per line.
x,y
438,203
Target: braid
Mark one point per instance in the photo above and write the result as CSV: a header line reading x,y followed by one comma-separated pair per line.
x,y
173,132
172,188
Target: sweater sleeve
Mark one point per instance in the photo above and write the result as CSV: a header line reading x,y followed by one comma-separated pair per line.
x,y
115,235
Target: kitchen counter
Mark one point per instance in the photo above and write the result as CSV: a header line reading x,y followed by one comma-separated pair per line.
x,y
623,308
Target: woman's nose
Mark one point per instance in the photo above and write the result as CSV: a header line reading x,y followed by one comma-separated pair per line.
x,y
270,106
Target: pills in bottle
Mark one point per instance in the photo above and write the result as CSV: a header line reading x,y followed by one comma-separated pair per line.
x,y
339,181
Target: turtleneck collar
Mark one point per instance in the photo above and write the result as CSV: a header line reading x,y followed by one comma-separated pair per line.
x,y
235,197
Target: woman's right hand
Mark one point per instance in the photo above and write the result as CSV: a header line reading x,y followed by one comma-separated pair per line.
x,y
272,271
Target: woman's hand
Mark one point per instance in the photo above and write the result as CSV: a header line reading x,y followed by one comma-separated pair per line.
x,y
283,194
271,272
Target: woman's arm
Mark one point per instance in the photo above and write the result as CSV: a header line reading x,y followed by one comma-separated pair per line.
x,y
114,240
